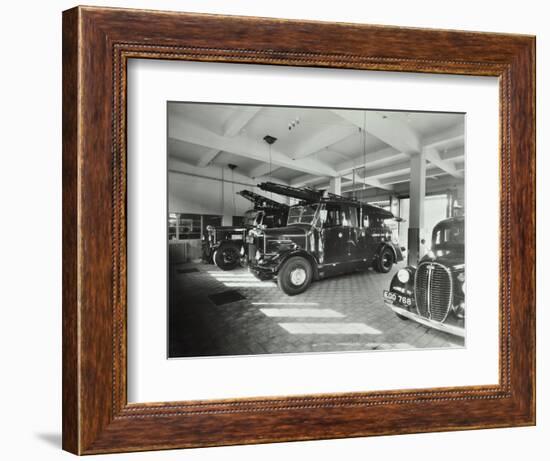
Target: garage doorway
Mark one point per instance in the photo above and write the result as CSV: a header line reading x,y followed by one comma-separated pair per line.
x,y
435,209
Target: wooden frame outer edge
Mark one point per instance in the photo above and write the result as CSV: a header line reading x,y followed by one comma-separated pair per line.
x,y
87,427
70,273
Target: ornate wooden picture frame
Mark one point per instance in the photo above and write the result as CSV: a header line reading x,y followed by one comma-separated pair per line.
x,y
97,44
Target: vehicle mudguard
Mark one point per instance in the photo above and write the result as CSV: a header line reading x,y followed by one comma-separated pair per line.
x,y
304,254
398,252
396,256
409,285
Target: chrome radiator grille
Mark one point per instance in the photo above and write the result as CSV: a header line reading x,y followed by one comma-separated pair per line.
x,y
433,291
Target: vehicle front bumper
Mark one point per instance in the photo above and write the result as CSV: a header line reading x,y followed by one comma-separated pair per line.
x,y
267,272
445,327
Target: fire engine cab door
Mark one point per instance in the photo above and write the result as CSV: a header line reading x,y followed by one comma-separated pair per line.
x,y
336,236
370,239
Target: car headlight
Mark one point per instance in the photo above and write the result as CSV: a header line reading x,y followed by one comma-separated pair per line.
x,y
403,276
258,255
461,277
464,287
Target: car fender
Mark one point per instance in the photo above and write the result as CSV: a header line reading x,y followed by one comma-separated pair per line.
x,y
400,287
298,252
383,246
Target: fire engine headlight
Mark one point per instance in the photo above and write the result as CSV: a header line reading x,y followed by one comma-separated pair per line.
x,y
403,276
242,251
258,255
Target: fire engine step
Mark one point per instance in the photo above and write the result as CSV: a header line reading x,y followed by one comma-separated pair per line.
x,y
226,297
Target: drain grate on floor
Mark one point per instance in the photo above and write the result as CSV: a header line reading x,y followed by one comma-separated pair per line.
x,y
226,297
187,271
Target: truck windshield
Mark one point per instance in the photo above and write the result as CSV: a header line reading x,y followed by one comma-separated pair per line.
x,y
302,214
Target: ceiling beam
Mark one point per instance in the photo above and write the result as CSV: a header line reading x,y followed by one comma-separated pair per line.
x,y
452,154
208,157
265,169
451,135
432,155
389,183
324,138
306,179
381,155
359,163
243,146
372,182
387,127
177,149
388,170
431,173
239,120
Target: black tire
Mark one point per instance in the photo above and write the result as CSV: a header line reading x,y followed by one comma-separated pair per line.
x,y
385,261
401,317
227,256
295,269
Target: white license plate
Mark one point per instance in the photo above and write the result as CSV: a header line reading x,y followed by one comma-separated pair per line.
x,y
397,298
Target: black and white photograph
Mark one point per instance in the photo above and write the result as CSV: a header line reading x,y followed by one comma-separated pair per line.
x,y
314,229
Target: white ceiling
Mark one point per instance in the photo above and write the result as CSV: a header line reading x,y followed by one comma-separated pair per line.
x,y
321,143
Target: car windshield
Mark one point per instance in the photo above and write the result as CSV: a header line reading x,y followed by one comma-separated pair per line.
x,y
448,235
302,214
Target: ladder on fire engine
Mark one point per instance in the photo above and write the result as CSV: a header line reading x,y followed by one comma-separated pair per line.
x,y
260,201
304,193
301,193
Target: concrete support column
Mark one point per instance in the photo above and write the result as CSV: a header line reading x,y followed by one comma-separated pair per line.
x,y
226,210
450,203
394,205
416,207
335,185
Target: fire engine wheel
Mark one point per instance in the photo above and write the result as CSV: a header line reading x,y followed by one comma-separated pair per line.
x,y
227,257
295,275
385,261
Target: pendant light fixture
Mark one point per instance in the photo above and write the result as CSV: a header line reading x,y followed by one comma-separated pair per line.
x,y
270,140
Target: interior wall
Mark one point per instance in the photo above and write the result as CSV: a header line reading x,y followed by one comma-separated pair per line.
x,y
202,191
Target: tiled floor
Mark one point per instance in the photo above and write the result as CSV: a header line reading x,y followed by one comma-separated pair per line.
x,y
335,314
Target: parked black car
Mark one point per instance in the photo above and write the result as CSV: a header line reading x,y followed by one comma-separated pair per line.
x,y
224,245
325,235
433,293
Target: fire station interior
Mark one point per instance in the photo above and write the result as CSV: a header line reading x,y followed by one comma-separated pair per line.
x,y
410,163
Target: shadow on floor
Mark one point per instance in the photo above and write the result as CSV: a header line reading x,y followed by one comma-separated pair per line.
x,y
51,438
